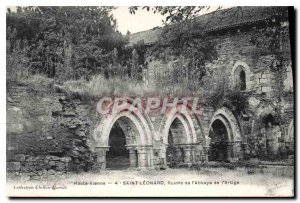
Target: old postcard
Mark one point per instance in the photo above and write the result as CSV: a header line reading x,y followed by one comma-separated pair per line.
x,y
174,101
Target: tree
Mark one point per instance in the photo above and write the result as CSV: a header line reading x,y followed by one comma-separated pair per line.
x,y
89,31
174,14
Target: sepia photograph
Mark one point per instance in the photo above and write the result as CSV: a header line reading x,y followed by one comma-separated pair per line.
x,y
150,101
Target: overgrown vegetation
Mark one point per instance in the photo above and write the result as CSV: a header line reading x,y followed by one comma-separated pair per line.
x,y
189,48
67,43
82,51
100,86
81,47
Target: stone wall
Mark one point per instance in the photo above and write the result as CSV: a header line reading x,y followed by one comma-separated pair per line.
x,y
268,91
48,133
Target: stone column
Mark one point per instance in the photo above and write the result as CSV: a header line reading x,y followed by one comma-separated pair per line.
x,y
101,158
187,155
178,154
142,157
205,151
164,156
150,157
244,150
193,154
132,157
238,150
229,148
206,148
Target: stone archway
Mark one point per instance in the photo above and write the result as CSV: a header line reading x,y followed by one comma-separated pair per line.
x,y
266,130
225,136
137,130
182,132
241,76
124,133
178,137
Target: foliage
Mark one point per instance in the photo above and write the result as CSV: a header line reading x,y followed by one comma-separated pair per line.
x,y
218,92
174,14
189,48
98,86
185,41
271,39
16,61
78,39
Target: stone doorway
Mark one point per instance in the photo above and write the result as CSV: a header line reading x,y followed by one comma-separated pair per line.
x,y
176,137
220,149
272,132
117,157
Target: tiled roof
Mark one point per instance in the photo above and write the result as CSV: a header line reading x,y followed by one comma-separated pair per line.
x,y
217,20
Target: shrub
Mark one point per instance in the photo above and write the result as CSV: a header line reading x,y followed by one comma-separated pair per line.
x,y
99,86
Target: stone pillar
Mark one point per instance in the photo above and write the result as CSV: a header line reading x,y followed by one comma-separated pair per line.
x,y
193,154
187,155
205,151
229,147
101,158
142,158
206,148
132,157
238,150
244,150
150,157
178,154
164,156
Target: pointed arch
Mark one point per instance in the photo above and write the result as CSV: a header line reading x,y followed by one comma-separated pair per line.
x,y
242,76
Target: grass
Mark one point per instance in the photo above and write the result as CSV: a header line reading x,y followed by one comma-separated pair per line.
x,y
37,81
99,86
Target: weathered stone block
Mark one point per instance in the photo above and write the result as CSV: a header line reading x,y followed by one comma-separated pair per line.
x,y
52,163
13,166
266,89
264,81
12,146
51,172
20,157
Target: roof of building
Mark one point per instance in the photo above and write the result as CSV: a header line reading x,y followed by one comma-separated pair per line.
x,y
217,20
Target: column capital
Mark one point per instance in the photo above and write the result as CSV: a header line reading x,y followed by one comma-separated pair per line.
x,y
208,140
143,147
187,146
141,150
129,147
230,143
102,149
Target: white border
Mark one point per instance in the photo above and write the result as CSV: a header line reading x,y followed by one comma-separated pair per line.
x,y
5,3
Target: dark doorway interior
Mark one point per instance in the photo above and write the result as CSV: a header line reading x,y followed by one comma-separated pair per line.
x,y
271,136
117,158
242,80
219,138
174,151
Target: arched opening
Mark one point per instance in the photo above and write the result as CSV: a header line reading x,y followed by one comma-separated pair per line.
x,y
176,137
122,134
271,134
219,148
242,80
131,123
242,77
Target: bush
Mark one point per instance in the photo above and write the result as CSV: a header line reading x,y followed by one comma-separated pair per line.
x,y
99,86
